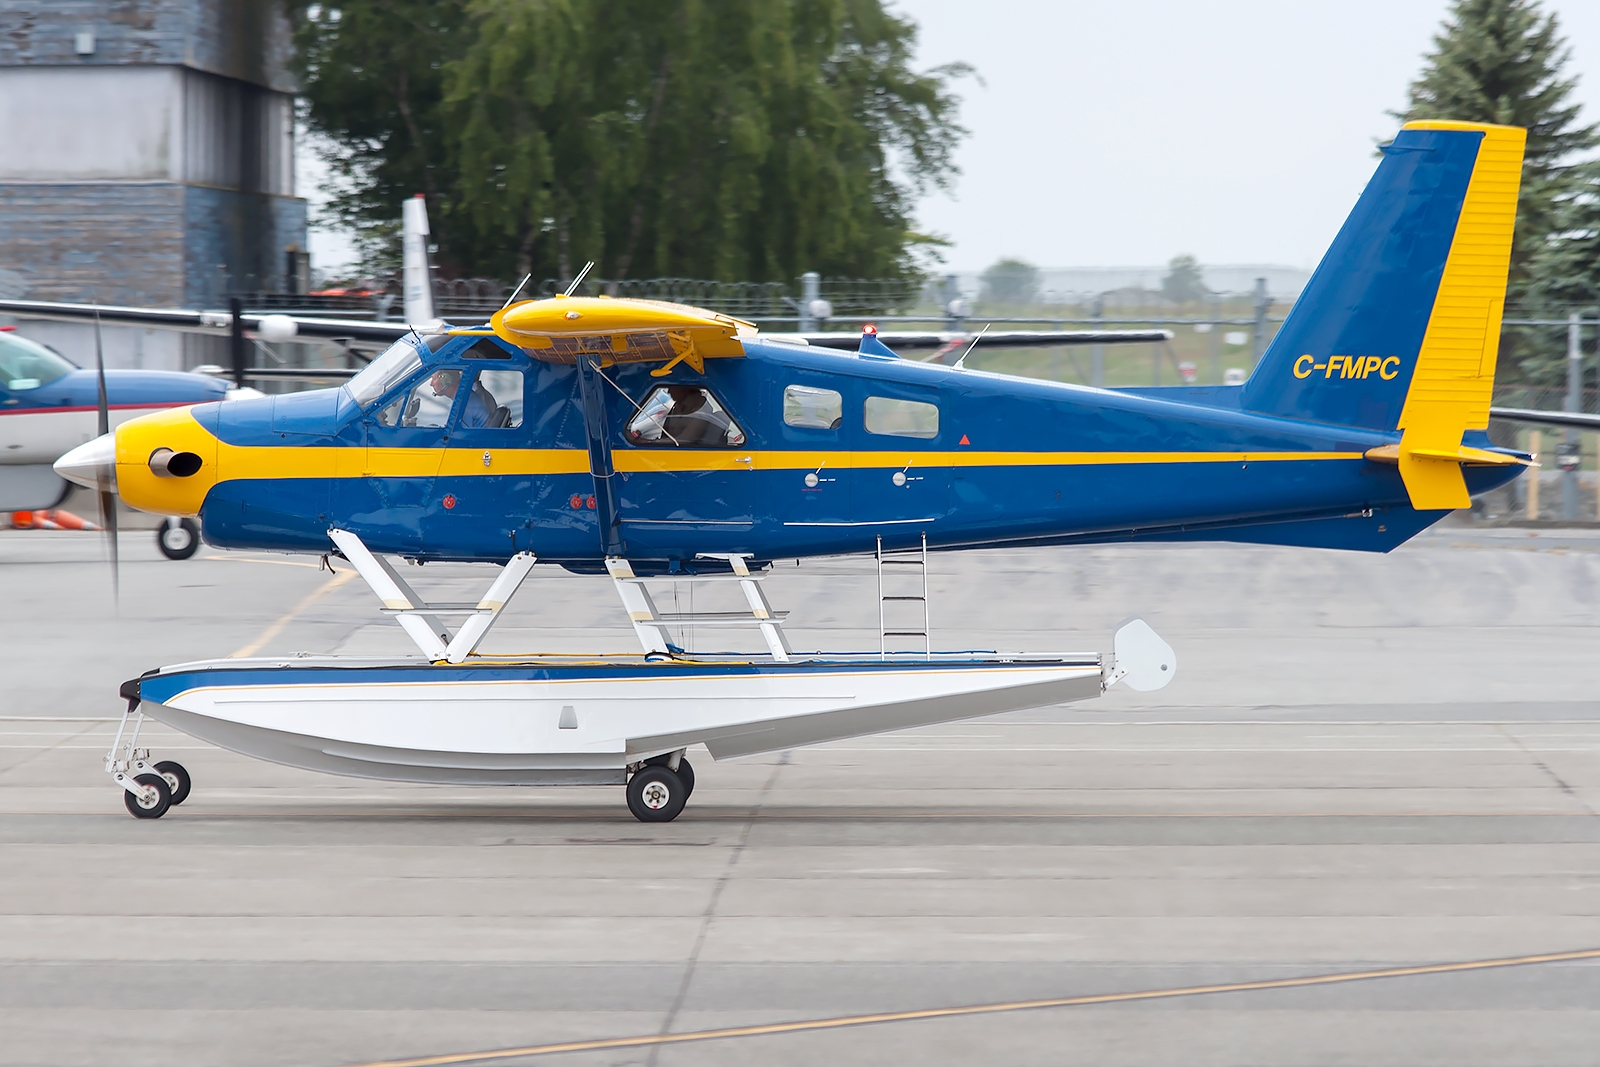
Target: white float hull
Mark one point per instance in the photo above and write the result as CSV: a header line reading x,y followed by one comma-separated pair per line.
x,y
576,722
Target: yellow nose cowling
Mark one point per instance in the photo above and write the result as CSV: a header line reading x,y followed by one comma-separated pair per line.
x,y
171,485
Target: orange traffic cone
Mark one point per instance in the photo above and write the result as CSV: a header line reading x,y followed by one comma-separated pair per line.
x,y
66,520
54,519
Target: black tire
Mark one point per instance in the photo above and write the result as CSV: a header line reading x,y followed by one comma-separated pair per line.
x,y
178,538
137,809
177,780
655,794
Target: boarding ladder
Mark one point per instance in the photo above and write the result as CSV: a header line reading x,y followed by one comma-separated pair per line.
x,y
918,558
652,625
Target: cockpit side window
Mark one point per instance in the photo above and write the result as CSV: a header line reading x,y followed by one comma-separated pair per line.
x,y
495,402
683,416
26,364
425,404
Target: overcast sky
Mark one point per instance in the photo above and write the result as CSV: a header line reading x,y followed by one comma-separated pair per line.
x,y
1123,134
1238,131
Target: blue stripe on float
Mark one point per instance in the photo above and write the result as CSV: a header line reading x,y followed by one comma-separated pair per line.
x,y
163,687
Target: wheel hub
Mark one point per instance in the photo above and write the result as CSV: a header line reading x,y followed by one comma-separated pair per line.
x,y
656,796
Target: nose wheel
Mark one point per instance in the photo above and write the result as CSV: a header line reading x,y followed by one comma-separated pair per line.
x,y
177,779
178,538
148,789
149,798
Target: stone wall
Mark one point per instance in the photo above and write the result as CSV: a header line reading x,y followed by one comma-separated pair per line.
x,y
243,39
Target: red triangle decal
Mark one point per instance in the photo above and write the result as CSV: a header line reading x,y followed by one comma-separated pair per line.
x,y
964,440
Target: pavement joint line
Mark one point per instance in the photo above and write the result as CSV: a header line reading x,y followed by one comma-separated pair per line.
x,y
710,914
655,1041
284,620
252,559
36,751
610,815
1560,782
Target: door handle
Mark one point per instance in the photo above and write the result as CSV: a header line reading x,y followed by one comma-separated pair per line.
x,y
745,459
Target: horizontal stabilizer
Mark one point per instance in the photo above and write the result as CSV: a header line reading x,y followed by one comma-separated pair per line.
x,y
1461,454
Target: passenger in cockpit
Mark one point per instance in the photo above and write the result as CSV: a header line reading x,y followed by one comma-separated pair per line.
x,y
683,416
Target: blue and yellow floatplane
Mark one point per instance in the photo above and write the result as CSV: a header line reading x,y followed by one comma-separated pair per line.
x,y
648,442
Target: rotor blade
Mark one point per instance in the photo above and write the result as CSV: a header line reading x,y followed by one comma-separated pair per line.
x,y
213,323
1578,419
908,341
108,522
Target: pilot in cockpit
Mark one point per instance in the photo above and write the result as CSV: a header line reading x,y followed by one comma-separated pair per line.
x,y
481,404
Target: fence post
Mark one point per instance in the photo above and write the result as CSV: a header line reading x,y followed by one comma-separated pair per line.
x,y
1097,355
1216,340
1259,331
1574,398
1535,446
810,291
238,351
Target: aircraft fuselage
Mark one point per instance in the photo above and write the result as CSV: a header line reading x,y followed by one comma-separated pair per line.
x,y
833,452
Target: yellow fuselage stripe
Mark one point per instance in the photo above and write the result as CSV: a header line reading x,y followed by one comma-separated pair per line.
x,y
286,461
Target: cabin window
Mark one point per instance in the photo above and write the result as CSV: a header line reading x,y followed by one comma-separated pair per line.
x,y
812,409
901,418
487,349
495,402
683,416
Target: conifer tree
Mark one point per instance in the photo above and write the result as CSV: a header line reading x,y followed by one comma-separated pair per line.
x,y
1503,61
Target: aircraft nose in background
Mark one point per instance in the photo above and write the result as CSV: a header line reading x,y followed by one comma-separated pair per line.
x,y
92,465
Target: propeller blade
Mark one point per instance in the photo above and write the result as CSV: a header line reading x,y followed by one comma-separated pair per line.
x,y
108,522
100,370
108,499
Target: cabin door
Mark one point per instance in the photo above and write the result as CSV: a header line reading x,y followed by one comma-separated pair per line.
x,y
687,475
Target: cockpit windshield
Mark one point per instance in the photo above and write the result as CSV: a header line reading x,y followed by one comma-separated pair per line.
x,y
26,364
389,369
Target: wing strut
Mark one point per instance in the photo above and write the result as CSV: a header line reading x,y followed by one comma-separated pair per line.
x,y
594,425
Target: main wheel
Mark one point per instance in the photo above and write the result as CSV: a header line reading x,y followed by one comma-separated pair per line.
x,y
655,794
140,808
684,772
177,780
178,538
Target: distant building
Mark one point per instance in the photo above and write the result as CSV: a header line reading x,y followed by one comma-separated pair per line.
x,y
149,159
1080,285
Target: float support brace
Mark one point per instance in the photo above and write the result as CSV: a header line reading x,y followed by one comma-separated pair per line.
x,y
594,426
417,617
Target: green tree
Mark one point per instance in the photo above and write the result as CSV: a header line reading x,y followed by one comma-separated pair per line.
x,y
733,139
1566,268
1183,283
1009,281
373,77
1503,61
